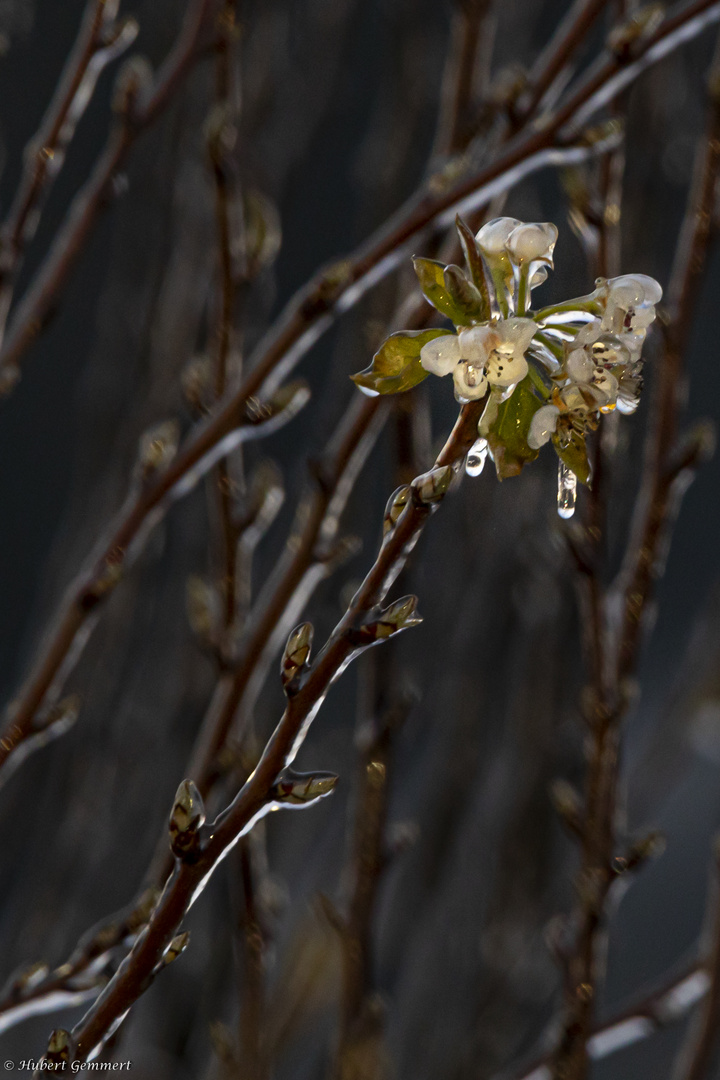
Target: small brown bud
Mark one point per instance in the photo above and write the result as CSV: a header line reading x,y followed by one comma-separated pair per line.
x,y
301,789
296,657
187,817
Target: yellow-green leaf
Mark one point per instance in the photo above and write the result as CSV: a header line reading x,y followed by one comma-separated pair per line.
x,y
431,275
475,263
574,455
506,426
396,365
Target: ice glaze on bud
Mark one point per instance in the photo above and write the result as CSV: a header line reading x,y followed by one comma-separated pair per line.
x,y
296,656
186,819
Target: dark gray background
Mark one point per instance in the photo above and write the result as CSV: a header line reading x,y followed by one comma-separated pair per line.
x,y
329,88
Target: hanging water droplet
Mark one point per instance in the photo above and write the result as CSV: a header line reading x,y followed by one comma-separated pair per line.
x,y
567,491
476,457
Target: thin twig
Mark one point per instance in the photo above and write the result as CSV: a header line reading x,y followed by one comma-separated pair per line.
x,y
255,798
700,1054
142,108
620,637
306,317
100,40
669,1003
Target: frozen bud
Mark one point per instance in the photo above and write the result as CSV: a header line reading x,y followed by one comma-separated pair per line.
x,y
300,789
494,235
296,656
197,383
635,290
187,817
158,447
567,803
542,426
440,355
395,506
432,486
534,242
203,607
398,616
133,83
61,717
58,1049
470,381
176,948
29,979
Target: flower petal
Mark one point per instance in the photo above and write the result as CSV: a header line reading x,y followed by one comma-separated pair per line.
x,y
542,426
528,243
518,332
506,370
440,355
493,235
470,381
476,342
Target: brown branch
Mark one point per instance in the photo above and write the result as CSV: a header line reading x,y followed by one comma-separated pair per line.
x,y
471,30
570,34
304,319
337,288
140,108
700,1055
668,1003
617,641
256,797
100,40
360,1015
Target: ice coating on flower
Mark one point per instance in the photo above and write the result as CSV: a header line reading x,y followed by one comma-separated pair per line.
x,y
494,234
440,355
470,381
542,426
630,304
532,242
488,354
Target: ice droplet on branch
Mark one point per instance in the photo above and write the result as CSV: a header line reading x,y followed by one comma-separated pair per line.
x,y
476,458
567,491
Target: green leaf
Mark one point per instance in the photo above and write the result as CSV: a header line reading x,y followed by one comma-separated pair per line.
x,y
506,426
574,455
475,262
464,295
431,275
396,365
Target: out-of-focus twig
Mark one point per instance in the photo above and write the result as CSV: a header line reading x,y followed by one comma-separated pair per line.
x,y
138,105
618,617
309,314
700,1055
362,625
100,40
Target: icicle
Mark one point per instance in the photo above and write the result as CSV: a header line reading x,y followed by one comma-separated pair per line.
x,y
567,490
476,458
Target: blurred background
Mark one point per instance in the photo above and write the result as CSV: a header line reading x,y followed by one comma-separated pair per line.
x,y
337,125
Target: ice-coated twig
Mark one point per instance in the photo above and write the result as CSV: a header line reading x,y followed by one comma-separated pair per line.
x,y
669,1003
30,717
259,794
305,318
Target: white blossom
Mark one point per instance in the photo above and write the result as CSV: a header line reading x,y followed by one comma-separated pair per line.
x,y
440,355
532,242
542,426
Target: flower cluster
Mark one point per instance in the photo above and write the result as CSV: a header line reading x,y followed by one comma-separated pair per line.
x,y
544,375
